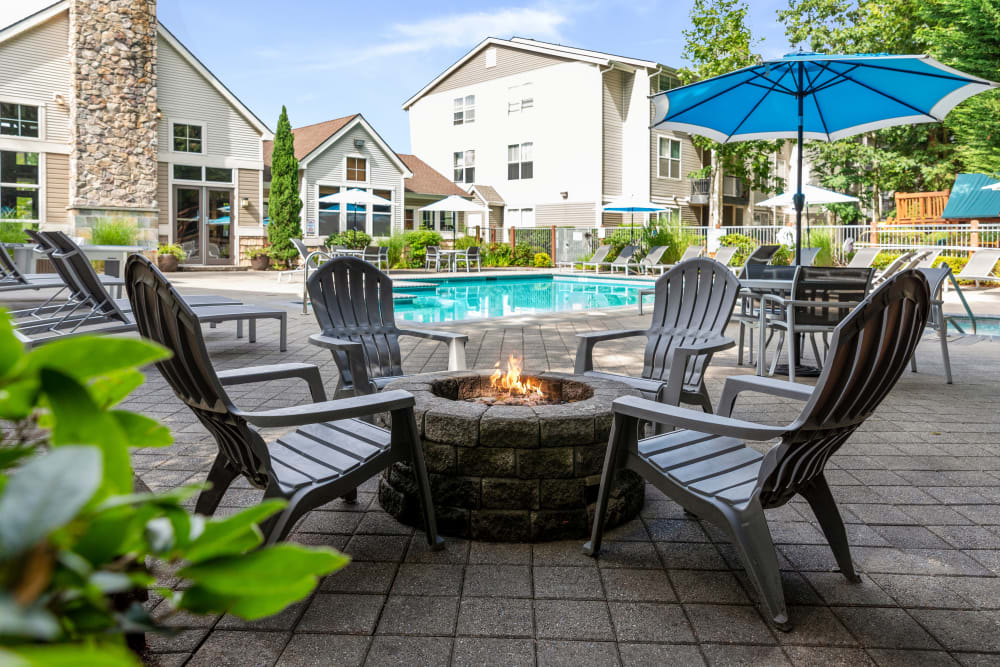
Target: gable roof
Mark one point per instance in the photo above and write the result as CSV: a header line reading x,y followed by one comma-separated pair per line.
x,y
309,137
557,50
426,180
56,8
968,199
488,194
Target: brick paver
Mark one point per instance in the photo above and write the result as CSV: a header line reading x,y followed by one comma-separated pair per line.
x,y
917,486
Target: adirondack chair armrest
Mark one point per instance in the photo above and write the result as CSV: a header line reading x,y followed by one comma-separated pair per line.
x,y
695,420
587,341
737,384
337,344
456,344
671,391
355,353
343,408
308,372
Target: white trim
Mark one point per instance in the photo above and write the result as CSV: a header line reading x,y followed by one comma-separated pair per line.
x,y
11,143
500,42
39,187
28,22
188,181
198,160
648,64
171,122
42,116
336,136
368,168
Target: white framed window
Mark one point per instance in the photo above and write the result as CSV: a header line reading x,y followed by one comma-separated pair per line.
x,y
464,110
520,98
671,216
191,172
356,169
668,163
520,161
662,82
20,186
464,166
732,186
187,137
19,120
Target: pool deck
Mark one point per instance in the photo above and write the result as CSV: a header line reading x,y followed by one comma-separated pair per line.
x,y
918,486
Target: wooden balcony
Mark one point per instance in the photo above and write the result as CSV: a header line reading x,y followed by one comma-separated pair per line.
x,y
920,207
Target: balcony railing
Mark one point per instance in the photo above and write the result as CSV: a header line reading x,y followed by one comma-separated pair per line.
x,y
732,190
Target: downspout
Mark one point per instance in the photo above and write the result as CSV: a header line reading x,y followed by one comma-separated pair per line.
x,y
602,72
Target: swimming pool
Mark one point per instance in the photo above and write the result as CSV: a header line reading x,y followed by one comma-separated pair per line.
x,y
987,325
454,299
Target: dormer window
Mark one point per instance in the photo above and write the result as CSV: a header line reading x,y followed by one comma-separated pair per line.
x,y
465,110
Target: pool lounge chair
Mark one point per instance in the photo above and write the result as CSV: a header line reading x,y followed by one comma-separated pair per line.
x,y
691,252
863,258
597,258
724,255
707,467
980,267
330,454
928,257
808,256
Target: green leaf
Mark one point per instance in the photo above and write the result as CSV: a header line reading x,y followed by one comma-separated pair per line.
x,y
270,571
33,622
250,605
110,389
233,535
11,349
45,494
111,582
89,356
9,456
68,655
77,420
18,398
142,431
104,536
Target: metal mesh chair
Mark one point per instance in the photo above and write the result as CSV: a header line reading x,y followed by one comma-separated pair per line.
x,y
707,469
327,457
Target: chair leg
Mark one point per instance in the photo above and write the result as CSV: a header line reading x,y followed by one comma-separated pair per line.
x,y
820,499
220,477
424,487
819,359
612,462
753,543
239,328
276,527
351,497
283,333
913,362
739,349
706,401
943,336
253,330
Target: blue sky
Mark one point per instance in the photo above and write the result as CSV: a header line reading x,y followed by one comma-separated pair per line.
x,y
327,59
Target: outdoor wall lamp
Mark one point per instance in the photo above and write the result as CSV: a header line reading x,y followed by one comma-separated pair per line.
x,y
244,202
564,195
359,143
59,99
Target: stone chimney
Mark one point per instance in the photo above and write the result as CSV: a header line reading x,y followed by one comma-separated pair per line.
x,y
113,115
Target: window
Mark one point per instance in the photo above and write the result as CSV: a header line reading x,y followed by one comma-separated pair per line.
x,y
670,217
669,158
357,169
190,172
19,184
427,219
328,213
19,120
382,214
408,219
447,221
188,138
732,186
465,110
520,98
662,82
465,167
520,164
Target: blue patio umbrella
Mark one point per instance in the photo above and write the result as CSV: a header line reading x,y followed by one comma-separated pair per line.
x,y
818,97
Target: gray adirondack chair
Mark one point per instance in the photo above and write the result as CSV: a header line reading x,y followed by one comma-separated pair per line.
x,y
327,457
863,258
707,469
352,302
693,304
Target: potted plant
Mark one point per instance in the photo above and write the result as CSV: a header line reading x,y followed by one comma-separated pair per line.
x,y
168,256
260,258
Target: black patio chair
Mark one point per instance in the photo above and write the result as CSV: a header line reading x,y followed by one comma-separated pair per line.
x,y
693,304
707,469
352,302
327,457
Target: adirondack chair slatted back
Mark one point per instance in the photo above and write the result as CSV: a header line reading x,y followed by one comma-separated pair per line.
x,y
352,300
162,316
82,274
694,301
869,350
816,283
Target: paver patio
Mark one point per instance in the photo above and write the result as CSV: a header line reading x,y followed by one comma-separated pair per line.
x,y
918,486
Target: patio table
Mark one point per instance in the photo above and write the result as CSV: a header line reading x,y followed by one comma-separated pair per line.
x,y
450,256
348,252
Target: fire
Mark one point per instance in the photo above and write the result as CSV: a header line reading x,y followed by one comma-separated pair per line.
x,y
511,383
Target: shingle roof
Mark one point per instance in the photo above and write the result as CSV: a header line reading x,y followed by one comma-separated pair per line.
x,y
489,194
427,180
309,137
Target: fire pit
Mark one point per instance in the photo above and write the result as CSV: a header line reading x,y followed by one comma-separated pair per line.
x,y
512,463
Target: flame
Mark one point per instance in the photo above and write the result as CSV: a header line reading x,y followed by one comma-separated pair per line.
x,y
511,382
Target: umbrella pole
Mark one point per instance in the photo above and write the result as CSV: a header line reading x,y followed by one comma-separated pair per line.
x,y
799,198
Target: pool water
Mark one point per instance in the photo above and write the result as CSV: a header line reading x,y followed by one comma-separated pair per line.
x,y
451,299
985,326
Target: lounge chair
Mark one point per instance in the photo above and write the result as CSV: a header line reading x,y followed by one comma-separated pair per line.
x,y
305,257
352,302
820,299
707,469
761,255
327,457
905,261
622,261
863,258
980,267
651,259
596,260
107,314
694,301
691,252
929,256
724,255
808,256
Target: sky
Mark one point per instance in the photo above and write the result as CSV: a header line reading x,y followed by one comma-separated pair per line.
x,y
325,59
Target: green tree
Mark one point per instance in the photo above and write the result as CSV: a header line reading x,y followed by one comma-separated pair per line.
x,y
284,204
720,41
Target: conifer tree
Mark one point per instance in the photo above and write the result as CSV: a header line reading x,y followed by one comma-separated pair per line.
x,y
284,204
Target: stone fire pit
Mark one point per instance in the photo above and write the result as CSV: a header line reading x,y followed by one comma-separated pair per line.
x,y
512,473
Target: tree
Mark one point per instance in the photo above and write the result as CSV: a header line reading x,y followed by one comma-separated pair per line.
x,y
284,204
720,41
